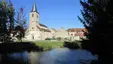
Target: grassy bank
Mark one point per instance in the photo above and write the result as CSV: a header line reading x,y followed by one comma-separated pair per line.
x,y
48,45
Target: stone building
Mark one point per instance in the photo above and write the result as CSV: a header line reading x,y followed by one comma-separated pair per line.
x,y
53,32
71,33
61,33
36,31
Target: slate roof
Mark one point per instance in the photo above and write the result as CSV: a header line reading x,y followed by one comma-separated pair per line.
x,y
42,29
42,25
34,8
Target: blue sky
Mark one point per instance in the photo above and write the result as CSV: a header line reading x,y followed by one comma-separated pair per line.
x,y
53,13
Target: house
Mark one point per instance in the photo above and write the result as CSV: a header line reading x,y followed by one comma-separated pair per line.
x,y
77,33
62,33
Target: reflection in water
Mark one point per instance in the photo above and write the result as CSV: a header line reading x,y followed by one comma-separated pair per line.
x,y
14,58
34,57
20,56
55,56
66,56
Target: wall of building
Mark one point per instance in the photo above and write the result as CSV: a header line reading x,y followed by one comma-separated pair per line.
x,y
61,33
52,31
33,35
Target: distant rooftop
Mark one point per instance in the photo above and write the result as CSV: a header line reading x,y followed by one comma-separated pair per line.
x,y
76,30
54,29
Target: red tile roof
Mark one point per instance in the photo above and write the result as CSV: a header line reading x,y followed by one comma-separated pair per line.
x,y
76,30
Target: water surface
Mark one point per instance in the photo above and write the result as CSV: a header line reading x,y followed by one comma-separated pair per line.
x,y
55,56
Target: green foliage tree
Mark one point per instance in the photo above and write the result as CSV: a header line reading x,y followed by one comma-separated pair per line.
x,y
6,20
59,38
98,20
8,24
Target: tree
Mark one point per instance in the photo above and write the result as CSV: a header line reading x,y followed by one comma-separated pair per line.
x,y
11,13
20,27
6,20
9,26
98,20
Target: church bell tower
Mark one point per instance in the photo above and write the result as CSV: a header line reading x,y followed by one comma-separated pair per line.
x,y
34,18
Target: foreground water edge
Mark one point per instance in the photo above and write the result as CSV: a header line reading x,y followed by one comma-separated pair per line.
x,y
54,56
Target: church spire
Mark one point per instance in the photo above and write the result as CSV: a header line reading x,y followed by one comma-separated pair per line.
x,y
34,8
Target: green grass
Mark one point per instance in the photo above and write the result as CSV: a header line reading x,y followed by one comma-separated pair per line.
x,y
48,45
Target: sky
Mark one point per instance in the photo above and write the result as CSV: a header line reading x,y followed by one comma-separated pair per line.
x,y
53,13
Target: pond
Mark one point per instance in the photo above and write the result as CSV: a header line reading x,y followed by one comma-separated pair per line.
x,y
54,56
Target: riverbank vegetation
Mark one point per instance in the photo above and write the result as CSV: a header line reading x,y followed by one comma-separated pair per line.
x,y
19,47
41,45
48,44
73,44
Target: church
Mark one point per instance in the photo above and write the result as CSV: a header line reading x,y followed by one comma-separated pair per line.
x,y
36,30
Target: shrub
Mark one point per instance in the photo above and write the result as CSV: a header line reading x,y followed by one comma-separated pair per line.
x,y
53,39
48,39
59,38
66,39
71,45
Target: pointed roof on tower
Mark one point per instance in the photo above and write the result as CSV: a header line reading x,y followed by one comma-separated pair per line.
x,y
34,8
